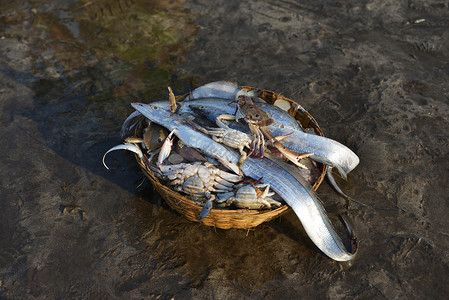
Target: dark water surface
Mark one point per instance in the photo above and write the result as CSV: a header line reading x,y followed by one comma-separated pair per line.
x,y
373,73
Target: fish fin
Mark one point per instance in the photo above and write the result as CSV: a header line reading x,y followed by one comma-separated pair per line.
x,y
343,174
128,125
172,100
333,183
351,235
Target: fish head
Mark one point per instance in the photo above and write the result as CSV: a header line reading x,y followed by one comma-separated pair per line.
x,y
152,111
160,114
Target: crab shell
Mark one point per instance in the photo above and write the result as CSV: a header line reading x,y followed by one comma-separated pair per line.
x,y
197,178
250,197
251,113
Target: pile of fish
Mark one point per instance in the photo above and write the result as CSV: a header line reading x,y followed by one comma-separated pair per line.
x,y
226,148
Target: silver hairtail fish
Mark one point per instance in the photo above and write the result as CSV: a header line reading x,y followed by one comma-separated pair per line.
x,y
300,196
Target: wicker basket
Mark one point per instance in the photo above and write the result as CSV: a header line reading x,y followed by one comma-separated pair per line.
x,y
235,218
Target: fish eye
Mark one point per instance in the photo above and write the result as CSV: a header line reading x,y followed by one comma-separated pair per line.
x,y
251,107
256,115
202,107
154,107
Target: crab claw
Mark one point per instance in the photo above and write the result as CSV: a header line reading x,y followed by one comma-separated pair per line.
x,y
207,207
165,149
229,165
294,157
290,155
228,176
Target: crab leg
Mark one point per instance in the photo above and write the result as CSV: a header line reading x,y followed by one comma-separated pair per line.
x,y
255,143
260,141
266,193
128,125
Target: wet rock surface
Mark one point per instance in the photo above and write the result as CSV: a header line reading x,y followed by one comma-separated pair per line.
x,y
373,73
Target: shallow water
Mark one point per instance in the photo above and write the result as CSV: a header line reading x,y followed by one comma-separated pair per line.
x,y
373,74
